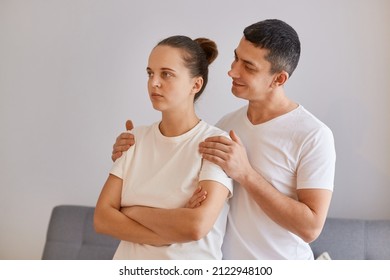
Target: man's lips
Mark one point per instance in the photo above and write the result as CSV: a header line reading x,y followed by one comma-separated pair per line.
x,y
237,84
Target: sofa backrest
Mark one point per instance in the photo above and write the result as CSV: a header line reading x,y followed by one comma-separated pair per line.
x,y
71,236
354,239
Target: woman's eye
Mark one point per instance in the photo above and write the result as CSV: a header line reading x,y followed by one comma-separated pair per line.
x,y
166,74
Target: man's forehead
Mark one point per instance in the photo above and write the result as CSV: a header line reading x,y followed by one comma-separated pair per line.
x,y
248,52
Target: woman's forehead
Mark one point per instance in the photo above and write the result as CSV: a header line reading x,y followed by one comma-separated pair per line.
x,y
165,57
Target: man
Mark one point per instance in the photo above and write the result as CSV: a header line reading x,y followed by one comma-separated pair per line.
x,y
280,156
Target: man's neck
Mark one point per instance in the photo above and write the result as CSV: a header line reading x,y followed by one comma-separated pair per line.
x,y
268,109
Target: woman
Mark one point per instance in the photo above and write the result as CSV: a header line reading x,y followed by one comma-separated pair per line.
x,y
143,200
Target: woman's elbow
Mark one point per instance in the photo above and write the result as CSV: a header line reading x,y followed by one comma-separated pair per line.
x,y
196,235
198,230
311,234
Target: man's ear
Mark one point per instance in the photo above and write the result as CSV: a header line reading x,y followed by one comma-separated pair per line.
x,y
197,85
281,78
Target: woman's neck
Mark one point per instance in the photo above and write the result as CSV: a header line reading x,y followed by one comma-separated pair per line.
x,y
175,125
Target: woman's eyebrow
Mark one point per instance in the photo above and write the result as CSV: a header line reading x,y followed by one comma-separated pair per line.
x,y
163,69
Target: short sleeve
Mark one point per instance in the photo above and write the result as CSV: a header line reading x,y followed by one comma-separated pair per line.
x,y
213,172
121,164
317,164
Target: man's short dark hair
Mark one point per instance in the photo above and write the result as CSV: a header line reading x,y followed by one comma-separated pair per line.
x,y
280,39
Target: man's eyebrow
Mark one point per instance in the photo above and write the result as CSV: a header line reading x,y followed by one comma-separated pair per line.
x,y
245,61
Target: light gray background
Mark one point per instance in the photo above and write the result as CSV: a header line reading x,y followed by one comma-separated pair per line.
x,y
72,72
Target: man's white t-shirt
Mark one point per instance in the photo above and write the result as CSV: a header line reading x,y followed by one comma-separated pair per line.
x,y
164,172
293,151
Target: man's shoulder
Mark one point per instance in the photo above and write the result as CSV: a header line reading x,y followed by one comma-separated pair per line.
x,y
310,129
227,119
310,121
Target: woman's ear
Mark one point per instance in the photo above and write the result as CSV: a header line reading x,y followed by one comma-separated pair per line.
x,y
198,83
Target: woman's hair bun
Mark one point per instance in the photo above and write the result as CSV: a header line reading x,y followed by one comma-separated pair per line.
x,y
209,47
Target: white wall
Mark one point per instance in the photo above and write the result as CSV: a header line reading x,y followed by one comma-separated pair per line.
x,y
72,72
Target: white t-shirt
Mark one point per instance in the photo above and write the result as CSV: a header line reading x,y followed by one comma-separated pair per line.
x,y
163,172
293,151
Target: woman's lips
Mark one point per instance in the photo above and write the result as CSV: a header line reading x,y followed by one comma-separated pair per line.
x,y
155,95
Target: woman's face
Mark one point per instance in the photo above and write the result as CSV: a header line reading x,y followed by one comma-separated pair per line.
x,y
170,85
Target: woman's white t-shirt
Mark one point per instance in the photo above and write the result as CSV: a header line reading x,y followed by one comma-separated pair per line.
x,y
163,172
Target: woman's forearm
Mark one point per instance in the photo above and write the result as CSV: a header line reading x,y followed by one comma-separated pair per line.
x,y
109,220
183,224
178,225
112,222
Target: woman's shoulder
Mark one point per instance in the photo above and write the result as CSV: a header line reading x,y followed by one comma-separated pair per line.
x,y
212,130
142,130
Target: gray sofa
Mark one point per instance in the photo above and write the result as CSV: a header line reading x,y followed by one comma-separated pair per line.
x,y
71,235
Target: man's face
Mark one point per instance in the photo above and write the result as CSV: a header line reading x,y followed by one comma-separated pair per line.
x,y
250,72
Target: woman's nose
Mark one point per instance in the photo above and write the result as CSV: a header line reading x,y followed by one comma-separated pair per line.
x,y
156,82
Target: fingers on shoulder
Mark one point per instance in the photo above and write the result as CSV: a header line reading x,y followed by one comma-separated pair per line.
x,y
126,135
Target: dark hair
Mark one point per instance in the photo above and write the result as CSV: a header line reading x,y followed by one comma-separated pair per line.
x,y
198,55
280,39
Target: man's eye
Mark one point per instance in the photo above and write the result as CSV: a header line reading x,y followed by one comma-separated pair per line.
x,y
150,74
249,68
